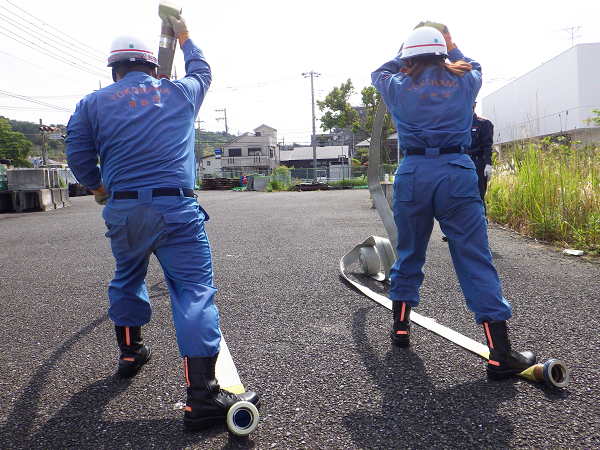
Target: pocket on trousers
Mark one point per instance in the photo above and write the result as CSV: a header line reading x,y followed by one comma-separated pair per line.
x,y
116,223
404,182
182,222
463,179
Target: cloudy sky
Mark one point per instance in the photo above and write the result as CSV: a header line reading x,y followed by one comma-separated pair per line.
x,y
52,53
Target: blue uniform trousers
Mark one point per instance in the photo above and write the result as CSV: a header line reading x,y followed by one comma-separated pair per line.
x,y
444,187
173,229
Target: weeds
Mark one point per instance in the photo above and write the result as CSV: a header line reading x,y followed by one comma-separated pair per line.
x,y
551,192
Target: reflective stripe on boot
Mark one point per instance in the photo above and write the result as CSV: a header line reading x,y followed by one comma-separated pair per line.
x,y
503,361
207,404
401,327
134,353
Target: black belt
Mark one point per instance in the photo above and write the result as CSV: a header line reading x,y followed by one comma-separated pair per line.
x,y
421,151
160,192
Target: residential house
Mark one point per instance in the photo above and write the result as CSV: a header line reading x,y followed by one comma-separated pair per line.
x,y
251,152
209,165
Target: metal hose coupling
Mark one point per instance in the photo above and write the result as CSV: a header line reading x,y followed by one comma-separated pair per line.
x,y
554,372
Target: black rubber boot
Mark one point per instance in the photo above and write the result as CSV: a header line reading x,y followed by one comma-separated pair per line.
x,y
134,353
504,361
401,328
207,404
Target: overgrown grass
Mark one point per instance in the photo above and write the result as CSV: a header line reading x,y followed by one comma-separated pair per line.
x,y
551,192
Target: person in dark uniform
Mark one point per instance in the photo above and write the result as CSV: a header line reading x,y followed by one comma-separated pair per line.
x,y
482,138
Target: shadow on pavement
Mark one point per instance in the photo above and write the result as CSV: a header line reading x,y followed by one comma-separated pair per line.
x,y
79,424
417,414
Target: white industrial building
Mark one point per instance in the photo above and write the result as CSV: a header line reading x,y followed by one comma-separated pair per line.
x,y
554,99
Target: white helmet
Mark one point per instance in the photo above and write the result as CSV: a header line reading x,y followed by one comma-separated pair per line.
x,y
129,48
424,41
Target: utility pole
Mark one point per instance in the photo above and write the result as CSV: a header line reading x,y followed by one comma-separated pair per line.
x,y
224,111
313,74
44,161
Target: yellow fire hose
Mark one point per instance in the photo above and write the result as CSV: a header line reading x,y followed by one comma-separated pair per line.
x,y
376,255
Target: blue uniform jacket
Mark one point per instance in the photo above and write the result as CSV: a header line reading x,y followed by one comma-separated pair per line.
x,y
141,128
430,112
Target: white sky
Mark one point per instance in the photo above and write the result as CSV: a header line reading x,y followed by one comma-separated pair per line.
x,y
258,50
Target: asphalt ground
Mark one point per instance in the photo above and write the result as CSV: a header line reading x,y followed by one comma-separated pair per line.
x,y
316,350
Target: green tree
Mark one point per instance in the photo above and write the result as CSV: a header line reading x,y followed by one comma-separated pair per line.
x,y
13,145
361,155
208,141
371,98
338,112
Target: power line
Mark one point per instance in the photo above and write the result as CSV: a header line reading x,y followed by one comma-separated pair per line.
x,y
67,51
43,68
32,33
48,25
22,97
258,84
78,66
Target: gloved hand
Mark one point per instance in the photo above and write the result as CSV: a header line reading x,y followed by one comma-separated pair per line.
x,y
100,195
443,29
179,25
487,172
440,26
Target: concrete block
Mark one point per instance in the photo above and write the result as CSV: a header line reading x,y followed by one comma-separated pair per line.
x,y
53,179
258,183
45,199
64,195
56,198
33,199
27,179
7,201
26,200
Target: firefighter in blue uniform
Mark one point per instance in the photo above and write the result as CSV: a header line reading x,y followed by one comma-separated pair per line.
x,y
480,151
142,129
431,103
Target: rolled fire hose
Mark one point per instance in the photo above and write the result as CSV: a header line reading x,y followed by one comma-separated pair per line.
x,y
242,417
376,255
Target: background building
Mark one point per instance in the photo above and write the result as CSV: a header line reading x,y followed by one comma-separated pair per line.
x,y
554,99
209,165
251,152
332,162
